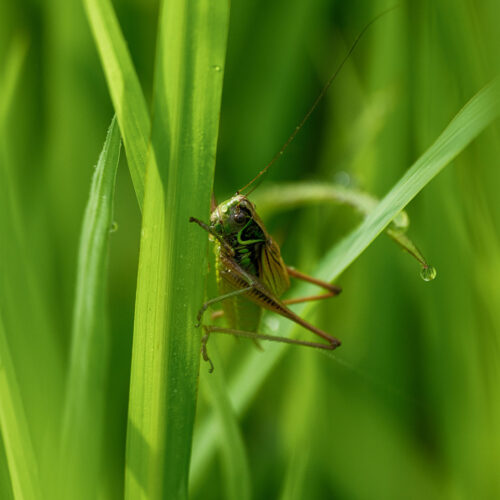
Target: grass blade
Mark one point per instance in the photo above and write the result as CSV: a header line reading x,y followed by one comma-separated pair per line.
x,y
124,86
474,117
23,466
30,340
10,77
85,393
235,462
5,482
294,485
165,359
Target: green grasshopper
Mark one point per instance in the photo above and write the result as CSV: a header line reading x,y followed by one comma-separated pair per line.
x,y
251,273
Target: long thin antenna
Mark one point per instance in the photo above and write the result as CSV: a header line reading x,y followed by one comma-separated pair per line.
x,y
318,99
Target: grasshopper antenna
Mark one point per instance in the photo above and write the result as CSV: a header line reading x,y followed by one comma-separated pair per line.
x,y
316,102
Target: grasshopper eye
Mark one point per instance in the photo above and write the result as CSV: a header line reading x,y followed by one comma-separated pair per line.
x,y
239,217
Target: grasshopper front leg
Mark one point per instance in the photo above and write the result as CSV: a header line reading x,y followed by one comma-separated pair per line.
x,y
215,300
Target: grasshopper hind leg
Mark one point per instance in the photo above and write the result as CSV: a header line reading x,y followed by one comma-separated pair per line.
x,y
331,290
330,346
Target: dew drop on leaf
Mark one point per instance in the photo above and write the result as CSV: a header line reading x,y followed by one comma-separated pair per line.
x,y
401,221
428,273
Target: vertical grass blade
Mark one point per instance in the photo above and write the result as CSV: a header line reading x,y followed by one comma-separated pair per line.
x,y
165,359
10,77
295,477
474,117
124,86
5,482
23,467
28,331
83,418
236,470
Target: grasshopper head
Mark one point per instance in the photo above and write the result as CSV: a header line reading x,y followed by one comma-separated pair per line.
x,y
232,215
236,218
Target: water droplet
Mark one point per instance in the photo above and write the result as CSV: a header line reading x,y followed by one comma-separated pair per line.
x,y
216,67
401,221
428,273
342,178
114,227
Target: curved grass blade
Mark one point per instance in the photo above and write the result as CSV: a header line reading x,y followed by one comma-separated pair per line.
x,y
275,198
285,196
23,467
165,356
83,416
474,117
124,86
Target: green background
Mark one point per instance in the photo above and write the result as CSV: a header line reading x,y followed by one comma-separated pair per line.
x,y
409,408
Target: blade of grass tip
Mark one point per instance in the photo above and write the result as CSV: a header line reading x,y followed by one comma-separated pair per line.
x,y
165,356
473,118
124,87
236,470
23,466
83,415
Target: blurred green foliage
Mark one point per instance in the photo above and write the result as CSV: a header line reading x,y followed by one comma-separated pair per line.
x,y
410,408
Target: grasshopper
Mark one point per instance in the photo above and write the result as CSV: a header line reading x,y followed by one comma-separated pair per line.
x,y
251,274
